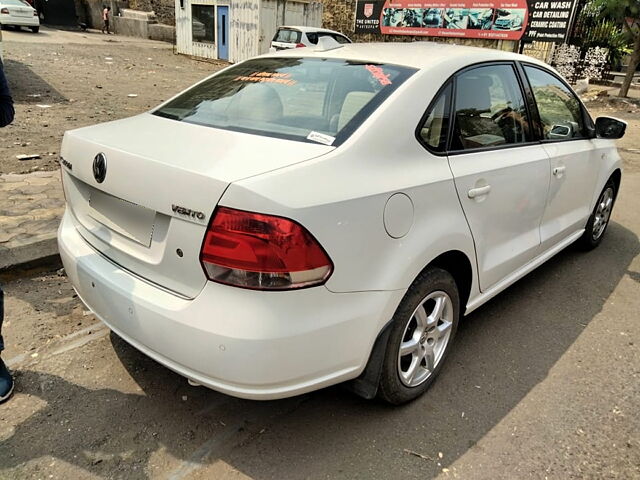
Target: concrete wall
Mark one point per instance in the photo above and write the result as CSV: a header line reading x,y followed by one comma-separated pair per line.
x,y
275,13
90,11
340,15
133,23
164,9
163,33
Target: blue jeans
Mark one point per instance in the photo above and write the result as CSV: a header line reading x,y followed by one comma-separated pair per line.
x,y
1,317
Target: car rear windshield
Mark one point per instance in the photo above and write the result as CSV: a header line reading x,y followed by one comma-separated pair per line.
x,y
304,99
287,36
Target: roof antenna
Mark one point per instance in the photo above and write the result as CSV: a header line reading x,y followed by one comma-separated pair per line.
x,y
326,43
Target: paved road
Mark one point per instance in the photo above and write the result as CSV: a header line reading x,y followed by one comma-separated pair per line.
x,y
543,383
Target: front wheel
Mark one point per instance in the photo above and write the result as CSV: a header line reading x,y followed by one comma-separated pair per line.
x,y
422,332
599,219
35,29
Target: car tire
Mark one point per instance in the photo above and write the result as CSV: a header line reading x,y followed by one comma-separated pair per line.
x,y
35,29
599,219
405,377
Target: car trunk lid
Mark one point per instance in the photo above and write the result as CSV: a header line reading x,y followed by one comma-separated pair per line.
x,y
21,11
162,182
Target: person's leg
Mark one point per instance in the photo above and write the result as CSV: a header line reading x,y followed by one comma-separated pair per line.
x,y
6,382
1,318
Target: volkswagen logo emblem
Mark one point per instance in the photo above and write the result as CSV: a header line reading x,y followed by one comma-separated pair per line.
x,y
100,167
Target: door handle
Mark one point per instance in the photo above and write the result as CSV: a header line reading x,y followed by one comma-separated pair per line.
x,y
478,192
558,171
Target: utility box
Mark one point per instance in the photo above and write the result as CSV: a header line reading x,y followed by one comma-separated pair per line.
x,y
235,30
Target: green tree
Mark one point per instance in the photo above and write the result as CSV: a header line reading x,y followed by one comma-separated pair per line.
x,y
627,13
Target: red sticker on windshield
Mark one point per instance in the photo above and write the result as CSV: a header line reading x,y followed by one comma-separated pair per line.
x,y
378,74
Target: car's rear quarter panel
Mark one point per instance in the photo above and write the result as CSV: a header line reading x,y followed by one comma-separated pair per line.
x,y
341,197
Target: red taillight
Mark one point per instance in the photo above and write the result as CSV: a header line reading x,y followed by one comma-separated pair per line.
x,y
4,10
300,45
263,252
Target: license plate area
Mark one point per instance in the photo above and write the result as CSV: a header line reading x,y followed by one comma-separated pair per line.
x,y
22,12
123,217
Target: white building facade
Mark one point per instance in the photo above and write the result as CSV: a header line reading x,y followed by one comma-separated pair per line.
x,y
235,30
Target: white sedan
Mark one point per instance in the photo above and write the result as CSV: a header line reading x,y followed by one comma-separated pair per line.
x,y
18,13
324,215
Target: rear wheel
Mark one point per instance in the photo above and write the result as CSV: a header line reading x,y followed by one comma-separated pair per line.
x,y
599,219
35,29
423,329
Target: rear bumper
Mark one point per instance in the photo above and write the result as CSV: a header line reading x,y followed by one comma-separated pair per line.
x,y
249,344
20,21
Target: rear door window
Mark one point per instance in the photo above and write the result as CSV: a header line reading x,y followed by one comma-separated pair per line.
x,y
287,36
489,109
435,128
341,39
560,111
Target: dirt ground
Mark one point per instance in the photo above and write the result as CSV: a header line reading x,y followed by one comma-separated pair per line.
x,y
544,382
63,80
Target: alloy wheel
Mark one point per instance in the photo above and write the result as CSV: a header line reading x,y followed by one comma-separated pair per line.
x,y
425,339
603,212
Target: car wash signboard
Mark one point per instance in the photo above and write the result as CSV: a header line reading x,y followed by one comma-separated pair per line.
x,y
549,21
501,19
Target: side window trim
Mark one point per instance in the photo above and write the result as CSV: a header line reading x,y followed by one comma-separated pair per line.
x,y
525,90
447,110
532,106
586,117
531,141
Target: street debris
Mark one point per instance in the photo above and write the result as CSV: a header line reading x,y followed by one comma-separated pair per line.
x,y
42,105
132,95
420,455
28,157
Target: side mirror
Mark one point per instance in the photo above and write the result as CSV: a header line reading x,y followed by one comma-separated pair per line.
x,y
610,128
560,131
564,131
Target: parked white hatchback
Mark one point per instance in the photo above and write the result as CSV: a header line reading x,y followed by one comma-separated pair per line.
x,y
316,216
299,37
18,13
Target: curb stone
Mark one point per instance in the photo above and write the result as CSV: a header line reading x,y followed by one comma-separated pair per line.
x,y
31,206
